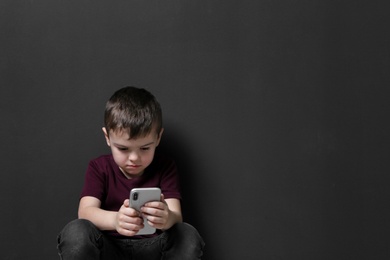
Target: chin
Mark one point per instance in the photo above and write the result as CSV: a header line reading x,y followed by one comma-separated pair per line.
x,y
134,173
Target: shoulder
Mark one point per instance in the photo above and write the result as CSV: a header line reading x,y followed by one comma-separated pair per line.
x,y
165,172
102,163
160,157
162,161
102,160
161,169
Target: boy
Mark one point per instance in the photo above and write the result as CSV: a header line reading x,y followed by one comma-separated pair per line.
x,y
107,227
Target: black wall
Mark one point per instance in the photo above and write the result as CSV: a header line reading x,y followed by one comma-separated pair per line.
x,y
276,112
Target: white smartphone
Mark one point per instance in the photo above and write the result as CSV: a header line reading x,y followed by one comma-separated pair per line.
x,y
138,198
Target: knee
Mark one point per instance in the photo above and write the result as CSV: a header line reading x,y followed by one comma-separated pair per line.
x,y
184,230
186,236
77,226
77,232
78,239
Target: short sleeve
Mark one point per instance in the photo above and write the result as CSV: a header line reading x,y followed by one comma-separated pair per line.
x,y
94,183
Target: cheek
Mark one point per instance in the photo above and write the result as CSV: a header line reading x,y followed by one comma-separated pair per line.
x,y
149,157
119,157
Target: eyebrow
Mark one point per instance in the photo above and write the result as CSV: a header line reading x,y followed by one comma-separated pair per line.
x,y
120,145
147,144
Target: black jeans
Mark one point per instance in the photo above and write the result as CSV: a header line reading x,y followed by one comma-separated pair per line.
x,y
80,239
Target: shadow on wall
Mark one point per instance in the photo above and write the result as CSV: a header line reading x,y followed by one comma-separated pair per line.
x,y
175,145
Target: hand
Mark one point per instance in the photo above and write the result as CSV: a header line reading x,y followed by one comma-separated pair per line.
x,y
156,212
128,221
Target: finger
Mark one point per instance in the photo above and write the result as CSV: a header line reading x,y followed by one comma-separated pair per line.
x,y
154,220
135,221
127,233
130,222
126,203
129,229
129,212
133,225
133,213
152,214
155,204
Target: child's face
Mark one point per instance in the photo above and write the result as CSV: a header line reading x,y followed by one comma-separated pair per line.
x,y
134,155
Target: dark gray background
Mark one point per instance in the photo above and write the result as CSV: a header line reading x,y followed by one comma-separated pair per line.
x,y
276,112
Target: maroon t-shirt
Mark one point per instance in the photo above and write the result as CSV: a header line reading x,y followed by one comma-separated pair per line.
x,y
106,182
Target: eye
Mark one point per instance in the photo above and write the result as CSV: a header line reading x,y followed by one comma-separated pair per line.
x,y
122,148
145,148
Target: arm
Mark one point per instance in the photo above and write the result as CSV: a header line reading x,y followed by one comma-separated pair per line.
x,y
89,208
163,214
126,221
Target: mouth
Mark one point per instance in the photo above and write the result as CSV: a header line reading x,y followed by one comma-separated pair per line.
x,y
133,166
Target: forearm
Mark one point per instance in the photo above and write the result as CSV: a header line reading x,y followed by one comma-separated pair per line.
x,y
174,213
173,218
102,219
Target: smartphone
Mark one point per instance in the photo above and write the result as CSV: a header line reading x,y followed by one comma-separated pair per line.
x,y
138,198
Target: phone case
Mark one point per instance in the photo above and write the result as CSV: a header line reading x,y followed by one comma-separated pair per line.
x,y
138,198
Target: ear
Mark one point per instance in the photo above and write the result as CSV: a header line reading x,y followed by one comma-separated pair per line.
x,y
159,136
106,136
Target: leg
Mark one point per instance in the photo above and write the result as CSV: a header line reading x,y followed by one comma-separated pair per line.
x,y
80,239
146,248
183,242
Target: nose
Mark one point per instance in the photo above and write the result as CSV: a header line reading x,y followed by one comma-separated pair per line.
x,y
133,156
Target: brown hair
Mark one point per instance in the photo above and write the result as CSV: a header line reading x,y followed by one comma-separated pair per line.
x,y
134,110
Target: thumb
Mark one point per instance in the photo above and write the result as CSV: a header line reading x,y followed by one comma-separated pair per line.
x,y
126,203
